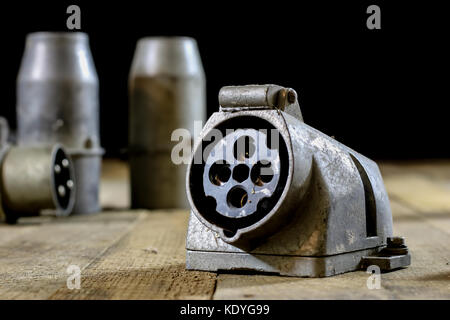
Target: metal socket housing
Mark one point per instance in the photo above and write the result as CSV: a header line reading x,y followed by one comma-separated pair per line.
x,y
330,215
58,102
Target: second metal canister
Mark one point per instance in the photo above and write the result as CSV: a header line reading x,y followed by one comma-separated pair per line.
x,y
58,102
167,92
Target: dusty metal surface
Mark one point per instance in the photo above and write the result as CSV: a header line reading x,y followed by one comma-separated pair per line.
x,y
283,265
167,92
260,97
329,202
57,102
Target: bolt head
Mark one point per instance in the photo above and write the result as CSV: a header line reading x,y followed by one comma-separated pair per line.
x,y
395,241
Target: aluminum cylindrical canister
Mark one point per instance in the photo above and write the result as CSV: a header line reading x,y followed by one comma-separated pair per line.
x,y
58,102
167,92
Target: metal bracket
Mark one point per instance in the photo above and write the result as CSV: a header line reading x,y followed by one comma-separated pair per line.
x,y
392,257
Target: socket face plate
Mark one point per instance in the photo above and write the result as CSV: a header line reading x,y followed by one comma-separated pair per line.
x,y
242,174
240,171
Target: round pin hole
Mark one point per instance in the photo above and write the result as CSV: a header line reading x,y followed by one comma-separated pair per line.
x,y
262,172
219,173
237,197
241,173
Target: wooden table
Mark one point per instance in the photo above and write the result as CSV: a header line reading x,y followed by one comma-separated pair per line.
x,y
140,254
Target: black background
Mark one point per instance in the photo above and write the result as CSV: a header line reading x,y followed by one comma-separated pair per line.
x,y
382,92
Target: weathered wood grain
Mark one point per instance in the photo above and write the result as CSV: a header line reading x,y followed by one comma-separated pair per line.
x,y
438,170
35,254
422,187
149,263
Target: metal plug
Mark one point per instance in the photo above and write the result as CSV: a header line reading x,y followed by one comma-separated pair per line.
x,y
34,179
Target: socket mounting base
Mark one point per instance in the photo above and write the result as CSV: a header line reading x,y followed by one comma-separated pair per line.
x,y
294,266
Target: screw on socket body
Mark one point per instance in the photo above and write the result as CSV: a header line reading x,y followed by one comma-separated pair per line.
x,y
395,246
394,256
319,209
395,242
34,179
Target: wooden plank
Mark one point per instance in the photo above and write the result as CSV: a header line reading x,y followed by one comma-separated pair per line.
x,y
141,254
437,170
421,193
422,187
427,278
149,263
35,254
